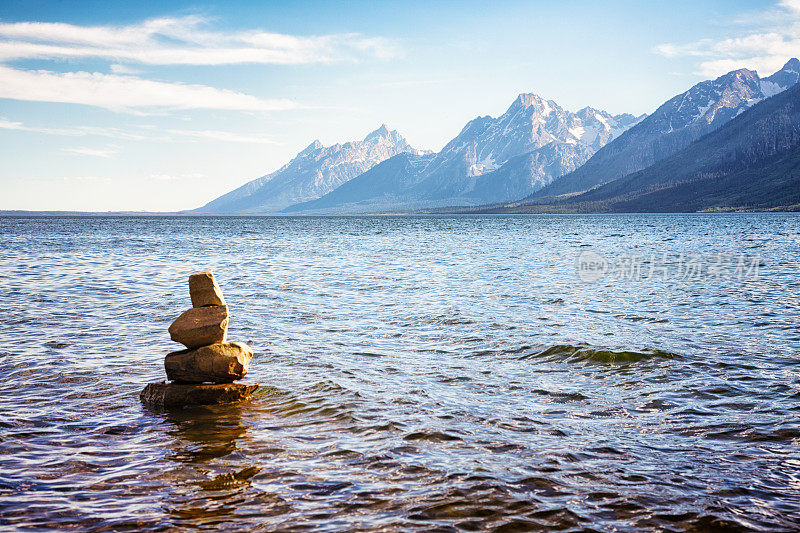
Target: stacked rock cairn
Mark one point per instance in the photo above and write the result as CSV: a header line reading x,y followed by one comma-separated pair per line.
x,y
203,373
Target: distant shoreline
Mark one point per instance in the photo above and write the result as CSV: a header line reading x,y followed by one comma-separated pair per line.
x,y
22,212
443,212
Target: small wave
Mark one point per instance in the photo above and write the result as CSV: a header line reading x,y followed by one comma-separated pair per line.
x,y
562,396
431,436
454,319
230,479
322,401
450,321
598,355
56,345
645,319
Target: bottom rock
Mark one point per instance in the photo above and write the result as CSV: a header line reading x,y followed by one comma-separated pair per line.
x,y
179,394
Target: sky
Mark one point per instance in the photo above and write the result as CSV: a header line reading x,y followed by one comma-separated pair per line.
x,y
163,106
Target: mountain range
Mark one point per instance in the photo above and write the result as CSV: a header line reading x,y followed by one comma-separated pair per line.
x,y
677,123
535,151
546,139
752,162
554,141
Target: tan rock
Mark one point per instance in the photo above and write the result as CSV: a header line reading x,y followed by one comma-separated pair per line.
x,y
218,363
200,326
203,289
157,395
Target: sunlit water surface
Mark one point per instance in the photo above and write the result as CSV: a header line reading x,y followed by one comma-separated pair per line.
x,y
422,373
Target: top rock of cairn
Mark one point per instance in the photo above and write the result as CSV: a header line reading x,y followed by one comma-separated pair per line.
x,y
204,291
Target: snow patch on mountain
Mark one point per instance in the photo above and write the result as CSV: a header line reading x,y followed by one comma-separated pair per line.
x,y
770,88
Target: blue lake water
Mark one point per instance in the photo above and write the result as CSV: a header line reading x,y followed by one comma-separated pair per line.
x,y
417,374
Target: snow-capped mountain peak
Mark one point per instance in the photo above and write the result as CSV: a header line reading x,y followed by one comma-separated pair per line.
x,y
381,132
313,147
714,102
530,123
531,100
314,171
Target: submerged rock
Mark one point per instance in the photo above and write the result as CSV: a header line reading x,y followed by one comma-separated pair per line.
x,y
203,289
218,363
182,394
200,326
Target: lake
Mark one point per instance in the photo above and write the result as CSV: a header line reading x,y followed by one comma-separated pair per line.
x,y
423,373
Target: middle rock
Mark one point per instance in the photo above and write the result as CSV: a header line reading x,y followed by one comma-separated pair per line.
x,y
219,363
200,326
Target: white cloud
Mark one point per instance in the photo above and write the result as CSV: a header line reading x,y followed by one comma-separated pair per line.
x,y
176,177
677,50
226,136
125,93
792,5
82,178
117,133
172,41
79,131
116,68
9,125
764,49
95,152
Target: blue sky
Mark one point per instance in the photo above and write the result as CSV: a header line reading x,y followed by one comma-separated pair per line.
x,y
163,106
